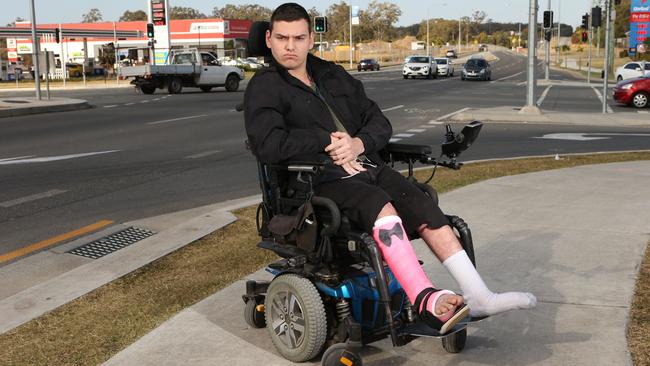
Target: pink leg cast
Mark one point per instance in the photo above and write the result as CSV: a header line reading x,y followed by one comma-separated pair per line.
x,y
397,251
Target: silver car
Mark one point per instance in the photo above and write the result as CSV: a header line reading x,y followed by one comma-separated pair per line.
x,y
424,66
445,66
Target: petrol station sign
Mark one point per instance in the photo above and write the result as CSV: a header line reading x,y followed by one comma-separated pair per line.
x,y
639,25
158,12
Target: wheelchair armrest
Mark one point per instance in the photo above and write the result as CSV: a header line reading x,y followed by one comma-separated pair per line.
x,y
406,152
410,149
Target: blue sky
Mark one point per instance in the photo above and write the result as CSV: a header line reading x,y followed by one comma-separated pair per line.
x,y
49,11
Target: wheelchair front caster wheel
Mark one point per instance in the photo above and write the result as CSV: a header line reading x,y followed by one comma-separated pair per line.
x,y
337,355
455,343
254,314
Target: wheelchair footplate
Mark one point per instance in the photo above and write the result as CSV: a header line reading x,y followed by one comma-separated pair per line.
x,y
420,329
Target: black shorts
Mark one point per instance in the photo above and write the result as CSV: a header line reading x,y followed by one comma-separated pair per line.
x,y
361,198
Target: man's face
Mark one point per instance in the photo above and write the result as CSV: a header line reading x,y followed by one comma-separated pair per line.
x,y
290,43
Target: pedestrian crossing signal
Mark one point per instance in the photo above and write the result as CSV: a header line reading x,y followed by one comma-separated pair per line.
x,y
150,30
320,24
57,35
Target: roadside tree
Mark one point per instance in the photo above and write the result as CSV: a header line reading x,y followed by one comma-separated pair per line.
x,y
182,12
93,15
132,16
253,12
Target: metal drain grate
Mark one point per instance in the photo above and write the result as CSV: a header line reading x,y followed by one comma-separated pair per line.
x,y
112,243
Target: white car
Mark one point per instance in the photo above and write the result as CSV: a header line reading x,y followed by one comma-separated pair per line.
x,y
632,70
420,66
445,66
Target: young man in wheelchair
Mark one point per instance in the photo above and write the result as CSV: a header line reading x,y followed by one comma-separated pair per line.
x,y
303,108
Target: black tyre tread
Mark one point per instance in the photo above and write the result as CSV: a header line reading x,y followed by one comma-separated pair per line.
x,y
147,89
228,83
315,321
455,342
252,317
172,89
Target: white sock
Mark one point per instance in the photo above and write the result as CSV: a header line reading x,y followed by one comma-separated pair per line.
x,y
478,297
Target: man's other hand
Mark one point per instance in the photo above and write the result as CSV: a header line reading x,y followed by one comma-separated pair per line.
x,y
344,148
353,167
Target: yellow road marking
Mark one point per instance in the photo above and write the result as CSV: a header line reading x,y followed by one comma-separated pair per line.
x,y
51,241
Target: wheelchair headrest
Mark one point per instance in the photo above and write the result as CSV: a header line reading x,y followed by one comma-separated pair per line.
x,y
257,40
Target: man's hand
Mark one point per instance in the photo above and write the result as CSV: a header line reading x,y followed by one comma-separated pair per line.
x,y
353,167
344,148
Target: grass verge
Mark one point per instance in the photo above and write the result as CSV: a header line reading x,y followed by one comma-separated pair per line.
x,y
639,322
94,327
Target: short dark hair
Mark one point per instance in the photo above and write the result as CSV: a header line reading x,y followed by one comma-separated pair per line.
x,y
289,12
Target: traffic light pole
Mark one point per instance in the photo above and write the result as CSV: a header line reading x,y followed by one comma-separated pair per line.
x,y
608,14
547,57
532,25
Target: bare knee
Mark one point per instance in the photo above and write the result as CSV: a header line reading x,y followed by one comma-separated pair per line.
x,y
387,210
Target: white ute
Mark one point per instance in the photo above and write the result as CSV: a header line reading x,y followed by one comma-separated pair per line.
x,y
188,67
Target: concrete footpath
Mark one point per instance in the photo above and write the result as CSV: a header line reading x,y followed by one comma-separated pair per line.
x,y
574,237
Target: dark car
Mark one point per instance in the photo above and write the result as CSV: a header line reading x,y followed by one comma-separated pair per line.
x,y
476,68
634,92
368,64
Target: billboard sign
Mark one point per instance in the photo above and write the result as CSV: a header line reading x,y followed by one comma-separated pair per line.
x,y
639,24
355,15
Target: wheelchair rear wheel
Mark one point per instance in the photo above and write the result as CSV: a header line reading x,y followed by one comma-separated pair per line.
x,y
295,317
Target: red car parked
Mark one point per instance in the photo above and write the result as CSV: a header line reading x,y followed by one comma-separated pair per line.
x,y
634,92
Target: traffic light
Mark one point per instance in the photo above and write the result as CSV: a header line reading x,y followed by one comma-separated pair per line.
x,y
596,16
585,37
150,30
57,35
320,24
585,21
548,34
548,19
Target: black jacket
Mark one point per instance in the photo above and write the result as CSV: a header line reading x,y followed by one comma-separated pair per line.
x,y
287,121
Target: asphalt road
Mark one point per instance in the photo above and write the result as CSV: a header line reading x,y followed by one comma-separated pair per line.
x,y
136,156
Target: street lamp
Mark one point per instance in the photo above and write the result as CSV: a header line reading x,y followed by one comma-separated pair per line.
x,y
35,52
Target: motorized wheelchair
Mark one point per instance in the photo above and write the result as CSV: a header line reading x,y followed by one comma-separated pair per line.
x,y
331,288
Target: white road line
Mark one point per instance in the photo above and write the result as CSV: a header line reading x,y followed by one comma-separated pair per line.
x,y
33,197
17,157
643,112
176,119
393,108
452,113
404,135
434,122
203,154
600,96
110,106
144,101
427,126
129,103
543,96
394,140
416,130
522,83
46,159
507,77
156,99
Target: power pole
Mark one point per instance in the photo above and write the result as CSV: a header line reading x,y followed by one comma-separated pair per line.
x,y
608,15
531,107
428,53
559,34
36,49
